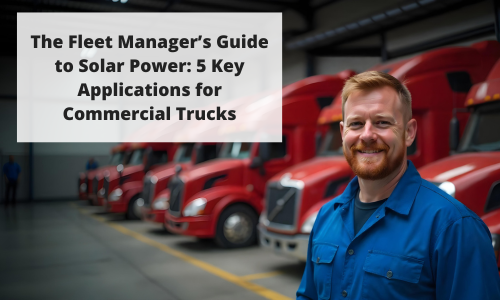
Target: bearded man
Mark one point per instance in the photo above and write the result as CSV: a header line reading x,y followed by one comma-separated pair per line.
x,y
392,234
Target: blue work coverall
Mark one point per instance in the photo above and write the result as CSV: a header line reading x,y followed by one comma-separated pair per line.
x,y
420,244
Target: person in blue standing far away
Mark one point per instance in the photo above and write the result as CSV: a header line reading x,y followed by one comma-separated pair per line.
x,y
11,171
92,164
392,234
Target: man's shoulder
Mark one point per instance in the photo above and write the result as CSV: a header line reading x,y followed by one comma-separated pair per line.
x,y
436,201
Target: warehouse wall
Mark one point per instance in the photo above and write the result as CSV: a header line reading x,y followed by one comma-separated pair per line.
x,y
56,166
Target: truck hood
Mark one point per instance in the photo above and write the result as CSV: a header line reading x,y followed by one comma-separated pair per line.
x,y
167,170
459,165
317,169
99,172
214,168
128,170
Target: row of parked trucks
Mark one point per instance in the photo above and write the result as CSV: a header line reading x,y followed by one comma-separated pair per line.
x,y
237,193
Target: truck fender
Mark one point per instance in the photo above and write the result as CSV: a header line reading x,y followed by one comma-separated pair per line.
x,y
241,196
130,189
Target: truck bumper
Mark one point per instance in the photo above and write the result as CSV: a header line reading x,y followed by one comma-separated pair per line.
x,y
153,216
193,226
288,245
115,206
92,198
100,201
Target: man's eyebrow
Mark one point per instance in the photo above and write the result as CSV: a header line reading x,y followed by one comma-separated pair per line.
x,y
352,117
385,116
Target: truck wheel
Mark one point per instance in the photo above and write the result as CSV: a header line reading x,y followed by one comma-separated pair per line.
x,y
134,208
237,227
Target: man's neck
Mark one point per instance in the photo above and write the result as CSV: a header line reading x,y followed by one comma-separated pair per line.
x,y
375,190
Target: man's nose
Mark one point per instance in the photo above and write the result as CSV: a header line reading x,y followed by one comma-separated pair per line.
x,y
368,135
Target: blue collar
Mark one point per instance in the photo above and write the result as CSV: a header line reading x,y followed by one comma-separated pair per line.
x,y
401,199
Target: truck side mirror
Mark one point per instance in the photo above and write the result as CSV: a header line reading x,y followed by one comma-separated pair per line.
x,y
317,140
264,155
257,162
199,154
454,134
264,151
148,156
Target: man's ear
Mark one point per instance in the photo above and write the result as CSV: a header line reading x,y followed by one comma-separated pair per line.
x,y
342,130
410,132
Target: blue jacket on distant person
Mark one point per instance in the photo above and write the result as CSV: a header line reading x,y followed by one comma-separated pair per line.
x,y
420,244
92,165
11,170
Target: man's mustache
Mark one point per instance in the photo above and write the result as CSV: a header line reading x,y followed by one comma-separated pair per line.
x,y
368,147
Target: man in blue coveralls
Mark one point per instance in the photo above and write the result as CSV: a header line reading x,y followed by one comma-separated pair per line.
x,y
391,234
11,171
91,164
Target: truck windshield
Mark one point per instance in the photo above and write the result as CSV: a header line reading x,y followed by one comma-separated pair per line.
x,y
116,158
332,142
235,150
481,133
183,154
136,157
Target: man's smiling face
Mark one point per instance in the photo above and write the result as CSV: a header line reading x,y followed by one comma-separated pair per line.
x,y
373,132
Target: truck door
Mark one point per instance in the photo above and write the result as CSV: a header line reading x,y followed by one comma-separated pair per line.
x,y
280,158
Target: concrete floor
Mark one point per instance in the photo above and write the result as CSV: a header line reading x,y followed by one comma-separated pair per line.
x,y
68,250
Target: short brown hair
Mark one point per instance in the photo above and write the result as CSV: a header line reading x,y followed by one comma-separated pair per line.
x,y
370,80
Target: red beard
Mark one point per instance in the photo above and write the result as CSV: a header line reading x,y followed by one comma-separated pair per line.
x,y
372,170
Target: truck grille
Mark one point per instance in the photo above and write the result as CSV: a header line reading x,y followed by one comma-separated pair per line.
x,y
148,191
94,185
176,187
105,186
281,205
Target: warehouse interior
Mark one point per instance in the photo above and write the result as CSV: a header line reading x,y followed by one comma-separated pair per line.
x,y
58,247
408,28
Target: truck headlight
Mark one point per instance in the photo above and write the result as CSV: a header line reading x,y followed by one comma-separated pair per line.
x,y
495,242
115,195
161,203
448,187
308,224
83,187
263,218
195,208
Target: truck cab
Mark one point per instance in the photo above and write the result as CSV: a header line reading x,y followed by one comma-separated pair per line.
x,y
222,198
472,175
87,179
121,186
154,194
438,81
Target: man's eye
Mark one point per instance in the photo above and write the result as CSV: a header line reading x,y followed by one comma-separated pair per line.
x,y
383,122
354,124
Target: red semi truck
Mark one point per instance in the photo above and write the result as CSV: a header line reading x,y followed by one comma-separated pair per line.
x,y
473,174
153,193
438,81
121,186
86,190
222,198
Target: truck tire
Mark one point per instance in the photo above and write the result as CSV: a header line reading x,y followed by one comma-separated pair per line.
x,y
236,227
134,209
